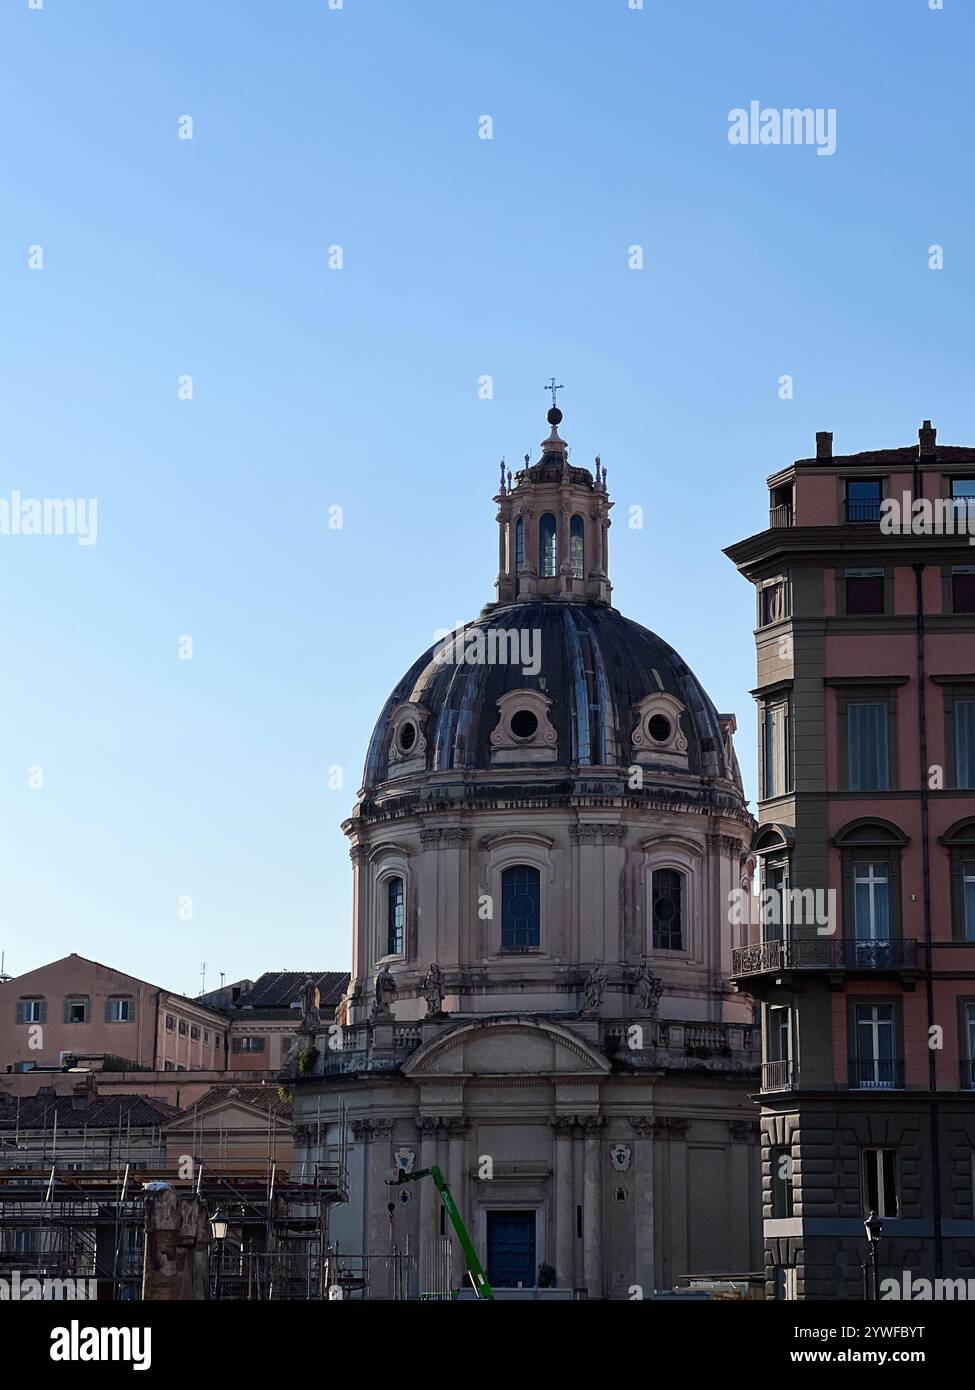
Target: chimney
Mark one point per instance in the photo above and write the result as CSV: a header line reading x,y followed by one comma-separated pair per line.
x,y
926,437
84,1093
824,444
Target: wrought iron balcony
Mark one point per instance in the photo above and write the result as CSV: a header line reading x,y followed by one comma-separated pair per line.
x,y
781,516
822,953
862,511
876,1073
779,1076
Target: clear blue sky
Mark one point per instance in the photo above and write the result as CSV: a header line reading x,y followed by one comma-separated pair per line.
x,y
358,388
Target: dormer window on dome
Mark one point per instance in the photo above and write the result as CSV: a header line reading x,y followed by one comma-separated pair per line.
x,y
554,528
408,744
524,732
657,736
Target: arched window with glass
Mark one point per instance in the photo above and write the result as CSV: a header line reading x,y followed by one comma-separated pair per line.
x,y
395,916
667,909
577,547
548,549
521,902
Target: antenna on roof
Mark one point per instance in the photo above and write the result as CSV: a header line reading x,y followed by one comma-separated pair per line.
x,y
203,978
3,974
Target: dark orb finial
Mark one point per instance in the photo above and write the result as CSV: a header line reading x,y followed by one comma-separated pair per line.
x,y
554,416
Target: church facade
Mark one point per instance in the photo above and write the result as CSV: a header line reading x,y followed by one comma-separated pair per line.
x,y
549,834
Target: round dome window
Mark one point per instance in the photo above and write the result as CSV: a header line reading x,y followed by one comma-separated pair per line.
x,y
407,737
659,728
523,723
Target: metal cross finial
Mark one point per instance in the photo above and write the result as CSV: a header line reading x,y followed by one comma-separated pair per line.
x,y
551,386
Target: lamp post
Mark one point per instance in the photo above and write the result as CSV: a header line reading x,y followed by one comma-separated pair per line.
x,y
218,1226
874,1228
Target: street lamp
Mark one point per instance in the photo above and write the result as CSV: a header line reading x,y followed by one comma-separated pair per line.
x,y
874,1228
218,1226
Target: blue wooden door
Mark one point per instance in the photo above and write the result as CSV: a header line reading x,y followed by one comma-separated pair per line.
x,y
511,1249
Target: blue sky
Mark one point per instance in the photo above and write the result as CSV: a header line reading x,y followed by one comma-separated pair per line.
x,y
314,388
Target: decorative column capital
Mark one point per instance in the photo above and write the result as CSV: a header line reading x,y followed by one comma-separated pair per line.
x,y
428,1124
592,1124
564,1125
446,837
674,1127
643,1126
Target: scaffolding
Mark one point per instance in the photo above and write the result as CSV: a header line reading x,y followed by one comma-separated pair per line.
x,y
67,1214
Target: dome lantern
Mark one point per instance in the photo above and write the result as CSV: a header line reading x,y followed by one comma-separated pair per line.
x,y
553,527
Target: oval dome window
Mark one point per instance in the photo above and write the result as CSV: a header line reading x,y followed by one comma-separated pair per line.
x,y
659,728
407,737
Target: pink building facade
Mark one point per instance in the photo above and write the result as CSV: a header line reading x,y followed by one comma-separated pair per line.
x,y
862,962
79,1008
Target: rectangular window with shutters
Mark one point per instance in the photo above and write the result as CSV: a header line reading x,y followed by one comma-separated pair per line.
x,y
76,1010
120,1009
778,1067
964,740
963,588
245,1044
170,1024
194,1033
868,746
776,925
864,592
871,900
184,1028
31,1011
968,1046
880,1182
876,1064
776,760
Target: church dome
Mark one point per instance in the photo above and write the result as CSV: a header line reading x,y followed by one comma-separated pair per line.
x,y
583,666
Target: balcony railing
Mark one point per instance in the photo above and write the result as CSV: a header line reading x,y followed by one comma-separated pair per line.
x,y
779,1076
781,515
822,953
876,1073
862,511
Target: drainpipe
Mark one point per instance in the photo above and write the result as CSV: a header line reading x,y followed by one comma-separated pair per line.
x,y
922,731
155,1035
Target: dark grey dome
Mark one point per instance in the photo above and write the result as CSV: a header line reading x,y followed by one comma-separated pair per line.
x,y
595,666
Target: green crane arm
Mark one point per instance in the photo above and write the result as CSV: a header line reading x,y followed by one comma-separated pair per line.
x,y
474,1267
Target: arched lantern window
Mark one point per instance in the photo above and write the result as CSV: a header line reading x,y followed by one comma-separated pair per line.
x,y
548,551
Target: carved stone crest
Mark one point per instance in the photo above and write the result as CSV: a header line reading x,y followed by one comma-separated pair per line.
x,y
620,1156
